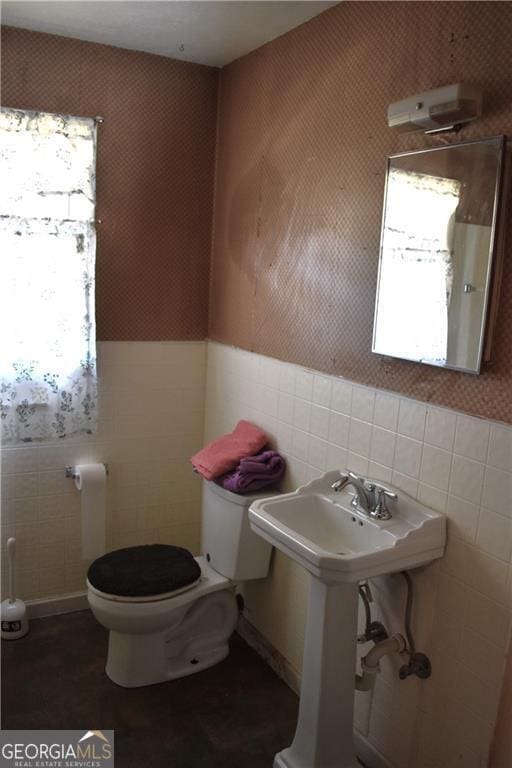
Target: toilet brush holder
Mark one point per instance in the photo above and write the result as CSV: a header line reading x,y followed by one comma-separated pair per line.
x,y
13,612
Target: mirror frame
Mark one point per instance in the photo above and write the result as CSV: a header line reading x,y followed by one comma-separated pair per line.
x,y
493,262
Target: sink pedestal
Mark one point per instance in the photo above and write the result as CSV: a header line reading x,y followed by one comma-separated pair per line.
x,y
324,736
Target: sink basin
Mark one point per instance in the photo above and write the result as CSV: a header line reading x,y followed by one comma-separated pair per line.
x,y
320,529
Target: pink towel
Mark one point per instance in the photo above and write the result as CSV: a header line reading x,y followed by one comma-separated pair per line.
x,y
223,454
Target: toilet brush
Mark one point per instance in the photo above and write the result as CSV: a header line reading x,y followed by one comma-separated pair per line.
x,y
13,612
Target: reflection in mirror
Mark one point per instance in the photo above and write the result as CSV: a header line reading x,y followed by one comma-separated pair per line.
x,y
436,253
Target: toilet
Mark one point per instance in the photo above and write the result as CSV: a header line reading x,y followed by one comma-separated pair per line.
x,y
170,614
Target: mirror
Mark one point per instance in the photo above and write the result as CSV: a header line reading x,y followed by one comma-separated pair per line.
x,y
436,250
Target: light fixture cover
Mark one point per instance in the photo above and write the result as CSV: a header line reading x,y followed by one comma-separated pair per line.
x,y
438,109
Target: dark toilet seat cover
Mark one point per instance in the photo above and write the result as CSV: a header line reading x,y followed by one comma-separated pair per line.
x,y
151,569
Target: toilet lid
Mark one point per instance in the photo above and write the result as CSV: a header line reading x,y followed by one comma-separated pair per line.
x,y
147,570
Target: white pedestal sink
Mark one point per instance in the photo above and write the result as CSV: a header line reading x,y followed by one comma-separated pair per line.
x,y
339,546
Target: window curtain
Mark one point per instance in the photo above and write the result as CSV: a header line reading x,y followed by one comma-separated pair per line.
x,y
47,241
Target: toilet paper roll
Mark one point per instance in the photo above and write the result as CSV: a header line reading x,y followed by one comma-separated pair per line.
x,y
90,479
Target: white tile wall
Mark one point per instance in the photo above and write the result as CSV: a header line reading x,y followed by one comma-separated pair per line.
x,y
152,413
463,605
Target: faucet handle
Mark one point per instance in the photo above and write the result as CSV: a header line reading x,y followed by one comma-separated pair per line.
x,y
339,484
386,492
381,511
345,478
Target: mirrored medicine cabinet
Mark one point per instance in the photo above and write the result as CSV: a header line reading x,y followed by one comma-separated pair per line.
x,y
436,254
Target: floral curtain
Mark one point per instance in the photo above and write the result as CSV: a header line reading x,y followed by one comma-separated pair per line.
x,y
47,241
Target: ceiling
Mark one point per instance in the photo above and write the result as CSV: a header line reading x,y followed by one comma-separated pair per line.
x,y
210,32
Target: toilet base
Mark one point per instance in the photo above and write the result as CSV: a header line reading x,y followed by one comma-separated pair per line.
x,y
137,660
186,638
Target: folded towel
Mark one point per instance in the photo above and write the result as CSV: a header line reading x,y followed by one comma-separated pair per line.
x,y
224,453
255,472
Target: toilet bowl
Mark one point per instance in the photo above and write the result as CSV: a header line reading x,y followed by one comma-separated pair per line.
x,y
177,632
161,638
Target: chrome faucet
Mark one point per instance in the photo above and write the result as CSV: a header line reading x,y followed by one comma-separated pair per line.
x,y
364,494
371,498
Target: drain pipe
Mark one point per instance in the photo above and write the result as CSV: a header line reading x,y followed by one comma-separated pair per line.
x,y
370,663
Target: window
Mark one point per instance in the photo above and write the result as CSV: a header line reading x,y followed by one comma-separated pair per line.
x,y
47,242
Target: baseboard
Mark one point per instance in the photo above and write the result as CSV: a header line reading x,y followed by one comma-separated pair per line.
x,y
268,653
369,756
53,606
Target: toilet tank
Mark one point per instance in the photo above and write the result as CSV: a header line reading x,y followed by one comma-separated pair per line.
x,y
228,543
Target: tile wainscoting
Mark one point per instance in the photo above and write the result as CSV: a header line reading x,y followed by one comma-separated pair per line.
x,y
151,407
462,604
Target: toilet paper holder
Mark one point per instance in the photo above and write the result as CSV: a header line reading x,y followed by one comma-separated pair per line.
x,y
71,471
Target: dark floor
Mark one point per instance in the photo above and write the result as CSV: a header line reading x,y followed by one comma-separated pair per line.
x,y
237,714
